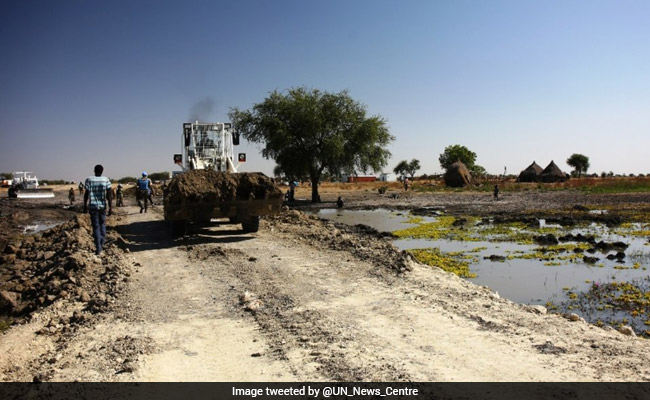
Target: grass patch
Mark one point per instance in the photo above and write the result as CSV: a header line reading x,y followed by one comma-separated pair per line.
x,y
5,324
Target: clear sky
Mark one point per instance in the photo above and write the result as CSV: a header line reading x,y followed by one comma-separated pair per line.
x,y
111,82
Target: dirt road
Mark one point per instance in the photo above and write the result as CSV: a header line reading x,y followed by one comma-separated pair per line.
x,y
305,299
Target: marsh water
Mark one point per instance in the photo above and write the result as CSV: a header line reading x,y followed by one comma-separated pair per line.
x,y
523,280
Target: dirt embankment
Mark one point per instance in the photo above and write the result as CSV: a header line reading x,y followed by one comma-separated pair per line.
x,y
302,299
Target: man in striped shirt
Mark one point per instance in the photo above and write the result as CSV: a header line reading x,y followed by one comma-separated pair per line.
x,y
98,193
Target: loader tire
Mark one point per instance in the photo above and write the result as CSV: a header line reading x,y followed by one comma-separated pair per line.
x,y
252,225
179,228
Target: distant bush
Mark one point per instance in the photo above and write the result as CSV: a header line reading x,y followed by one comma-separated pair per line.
x,y
127,179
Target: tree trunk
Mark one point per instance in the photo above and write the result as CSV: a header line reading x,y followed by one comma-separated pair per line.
x,y
315,197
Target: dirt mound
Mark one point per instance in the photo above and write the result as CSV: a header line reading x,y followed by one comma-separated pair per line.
x,y
208,185
58,263
194,195
362,241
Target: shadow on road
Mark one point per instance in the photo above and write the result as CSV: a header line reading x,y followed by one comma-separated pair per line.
x,y
151,235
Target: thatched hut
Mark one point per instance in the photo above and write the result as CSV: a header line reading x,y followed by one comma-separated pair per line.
x,y
552,173
531,173
457,175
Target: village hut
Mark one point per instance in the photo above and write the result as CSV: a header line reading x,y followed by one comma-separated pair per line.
x,y
531,173
457,175
552,173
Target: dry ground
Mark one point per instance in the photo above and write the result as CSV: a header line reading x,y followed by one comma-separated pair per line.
x,y
304,300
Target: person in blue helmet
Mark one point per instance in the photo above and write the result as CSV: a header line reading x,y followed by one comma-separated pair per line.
x,y
143,192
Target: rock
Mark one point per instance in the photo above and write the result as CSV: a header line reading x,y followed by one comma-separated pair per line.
x,y
494,257
574,317
77,317
84,296
537,309
590,260
11,249
253,305
627,330
548,239
9,301
8,258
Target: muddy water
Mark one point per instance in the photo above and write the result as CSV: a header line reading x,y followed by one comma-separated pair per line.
x,y
527,281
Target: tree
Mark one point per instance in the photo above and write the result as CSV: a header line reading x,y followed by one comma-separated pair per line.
x,y
462,153
405,167
312,133
159,176
579,162
127,179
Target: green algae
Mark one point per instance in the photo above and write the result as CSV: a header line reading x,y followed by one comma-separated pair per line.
x,y
446,261
613,303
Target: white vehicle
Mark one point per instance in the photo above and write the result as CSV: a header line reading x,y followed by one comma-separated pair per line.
x,y
221,192
24,185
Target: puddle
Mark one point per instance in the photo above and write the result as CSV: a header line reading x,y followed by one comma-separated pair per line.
x,y
381,219
598,212
36,228
519,274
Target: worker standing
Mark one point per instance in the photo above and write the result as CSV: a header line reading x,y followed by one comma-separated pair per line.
x,y
71,196
81,188
119,196
339,202
292,191
143,192
97,195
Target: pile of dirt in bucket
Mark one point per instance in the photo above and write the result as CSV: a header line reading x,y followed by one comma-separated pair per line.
x,y
59,263
211,187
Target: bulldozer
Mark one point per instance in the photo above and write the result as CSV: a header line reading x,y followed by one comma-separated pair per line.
x,y
209,186
24,185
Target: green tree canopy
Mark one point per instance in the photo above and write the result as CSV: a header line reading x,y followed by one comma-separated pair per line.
x,y
311,133
406,167
579,162
159,176
457,152
127,179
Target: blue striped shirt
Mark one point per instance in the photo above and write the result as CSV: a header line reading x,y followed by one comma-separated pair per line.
x,y
97,187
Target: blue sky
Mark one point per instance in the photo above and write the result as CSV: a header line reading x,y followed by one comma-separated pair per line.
x,y
88,81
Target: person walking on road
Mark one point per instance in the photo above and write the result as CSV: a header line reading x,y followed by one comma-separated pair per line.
x,y
97,198
143,192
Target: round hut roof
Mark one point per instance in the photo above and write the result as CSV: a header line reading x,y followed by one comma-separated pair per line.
x,y
530,173
552,173
458,175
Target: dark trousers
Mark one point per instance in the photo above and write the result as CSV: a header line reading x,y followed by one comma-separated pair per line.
x,y
98,221
141,196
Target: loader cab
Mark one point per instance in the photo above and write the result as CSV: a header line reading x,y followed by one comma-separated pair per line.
x,y
209,146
